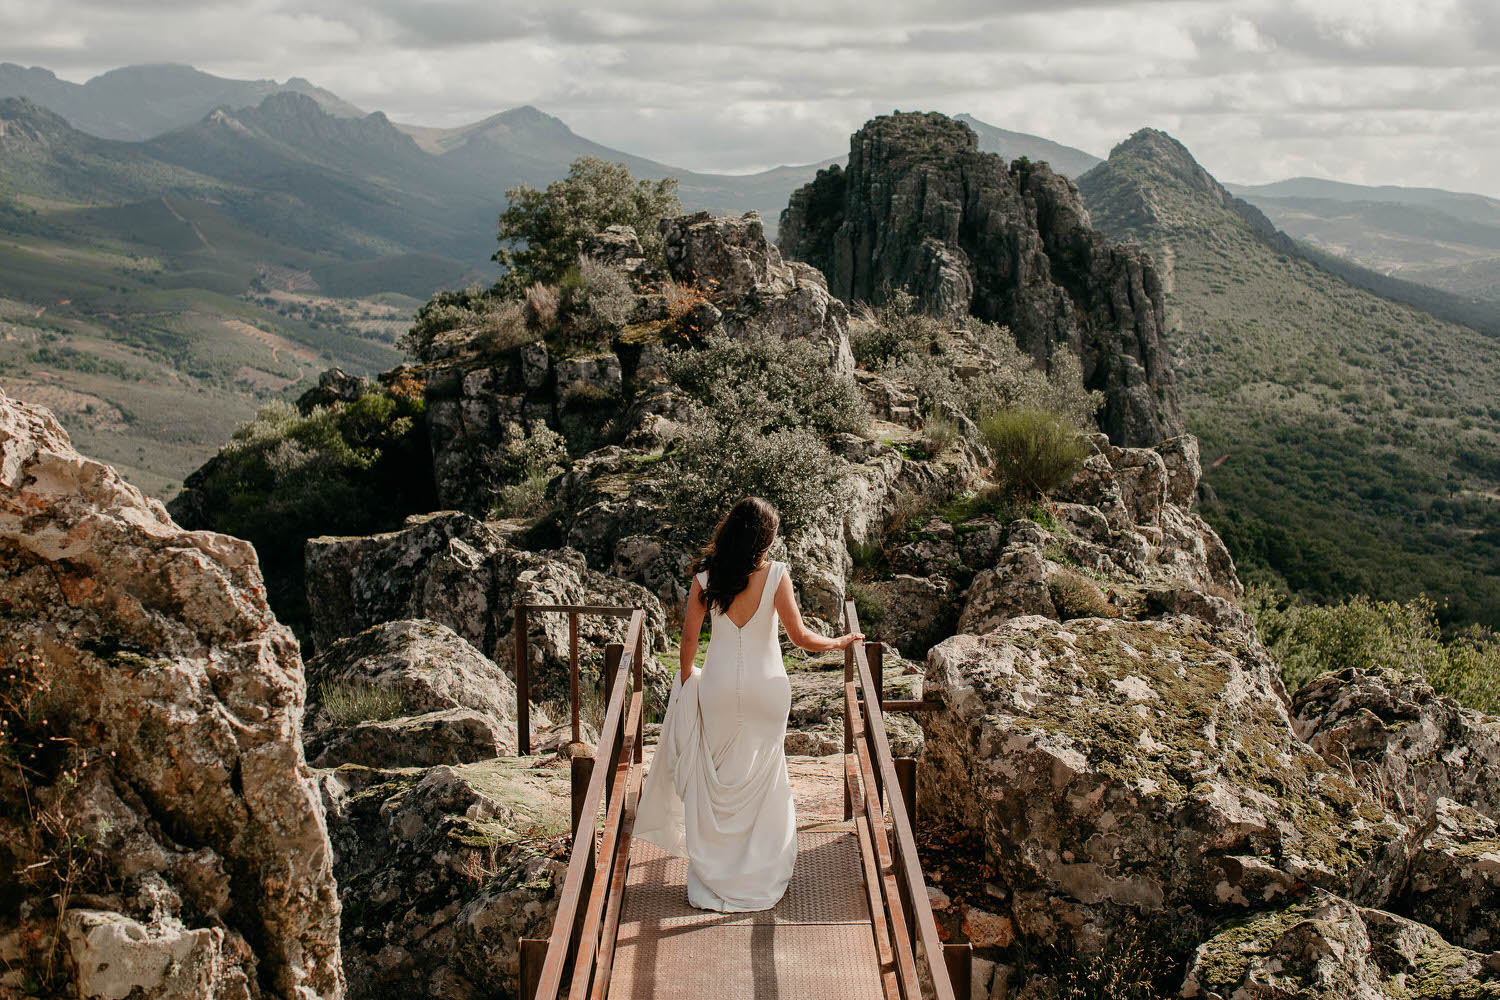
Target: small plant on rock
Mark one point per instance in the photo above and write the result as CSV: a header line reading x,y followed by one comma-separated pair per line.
x,y
1076,596
1033,451
346,703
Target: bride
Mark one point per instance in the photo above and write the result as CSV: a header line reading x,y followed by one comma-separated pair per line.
x,y
717,790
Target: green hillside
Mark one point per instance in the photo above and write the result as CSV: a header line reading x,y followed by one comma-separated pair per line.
x,y
1353,443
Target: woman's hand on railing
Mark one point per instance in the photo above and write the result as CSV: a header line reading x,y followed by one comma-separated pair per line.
x,y
846,640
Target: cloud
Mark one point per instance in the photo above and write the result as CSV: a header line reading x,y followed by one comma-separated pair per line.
x,y
1389,91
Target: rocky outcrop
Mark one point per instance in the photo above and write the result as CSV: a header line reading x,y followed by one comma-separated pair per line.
x,y
443,870
751,288
1453,882
920,208
460,572
1325,946
149,653
1121,770
1122,529
1402,740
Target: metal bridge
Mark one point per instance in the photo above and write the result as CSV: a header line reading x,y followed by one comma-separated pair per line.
x,y
855,922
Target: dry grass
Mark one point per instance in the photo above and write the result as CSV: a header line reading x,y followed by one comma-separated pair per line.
x,y
347,704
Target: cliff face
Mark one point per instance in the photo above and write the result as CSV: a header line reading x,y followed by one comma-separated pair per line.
x,y
153,707
921,208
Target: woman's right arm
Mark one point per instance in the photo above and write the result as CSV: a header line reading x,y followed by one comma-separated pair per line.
x,y
692,628
796,630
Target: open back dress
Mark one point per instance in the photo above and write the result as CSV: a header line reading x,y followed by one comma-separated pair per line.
x,y
717,791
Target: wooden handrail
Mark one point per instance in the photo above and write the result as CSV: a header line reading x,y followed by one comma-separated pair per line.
x,y
620,738
871,730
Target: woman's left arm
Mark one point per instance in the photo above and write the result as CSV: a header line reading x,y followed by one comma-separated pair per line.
x,y
692,628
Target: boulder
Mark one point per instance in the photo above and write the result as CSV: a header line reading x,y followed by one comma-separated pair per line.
x,y
118,957
1403,740
457,571
753,289
915,612
442,871
151,650
1016,585
452,736
919,207
425,666
1121,770
334,386
1326,946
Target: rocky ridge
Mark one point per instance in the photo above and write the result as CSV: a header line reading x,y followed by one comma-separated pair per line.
x,y
921,208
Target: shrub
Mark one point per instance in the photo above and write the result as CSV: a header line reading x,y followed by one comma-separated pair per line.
x,y
868,605
594,301
767,384
716,465
682,302
355,469
1310,640
939,433
347,704
1033,451
541,307
549,225
443,312
525,464
1076,596
503,327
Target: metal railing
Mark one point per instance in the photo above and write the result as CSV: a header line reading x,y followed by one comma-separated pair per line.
x,y
588,910
875,782
581,945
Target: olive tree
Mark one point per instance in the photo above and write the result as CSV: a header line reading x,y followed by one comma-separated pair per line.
x,y
540,230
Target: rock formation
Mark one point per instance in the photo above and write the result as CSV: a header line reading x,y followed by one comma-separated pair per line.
x,y
920,208
156,705
751,287
459,572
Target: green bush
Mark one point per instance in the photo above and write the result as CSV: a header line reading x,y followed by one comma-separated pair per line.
x,y
1033,451
899,340
355,469
1310,640
939,434
767,384
548,225
526,463
716,465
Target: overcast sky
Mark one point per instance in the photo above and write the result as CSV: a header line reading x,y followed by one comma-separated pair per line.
x,y
1371,91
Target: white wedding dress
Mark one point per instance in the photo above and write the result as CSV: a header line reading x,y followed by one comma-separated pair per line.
x,y
717,791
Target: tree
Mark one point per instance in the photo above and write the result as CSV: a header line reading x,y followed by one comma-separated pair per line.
x,y
540,231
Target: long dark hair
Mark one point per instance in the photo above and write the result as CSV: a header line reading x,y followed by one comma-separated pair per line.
x,y
739,542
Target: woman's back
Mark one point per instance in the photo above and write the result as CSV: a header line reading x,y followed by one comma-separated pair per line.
x,y
744,693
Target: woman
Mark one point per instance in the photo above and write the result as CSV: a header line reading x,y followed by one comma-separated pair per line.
x,y
718,790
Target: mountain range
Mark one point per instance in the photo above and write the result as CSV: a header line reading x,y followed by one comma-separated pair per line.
x,y
176,249
1352,441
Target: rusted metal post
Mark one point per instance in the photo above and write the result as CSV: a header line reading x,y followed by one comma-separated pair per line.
x,y
573,672
582,771
959,958
523,684
612,654
533,954
848,734
639,670
876,653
